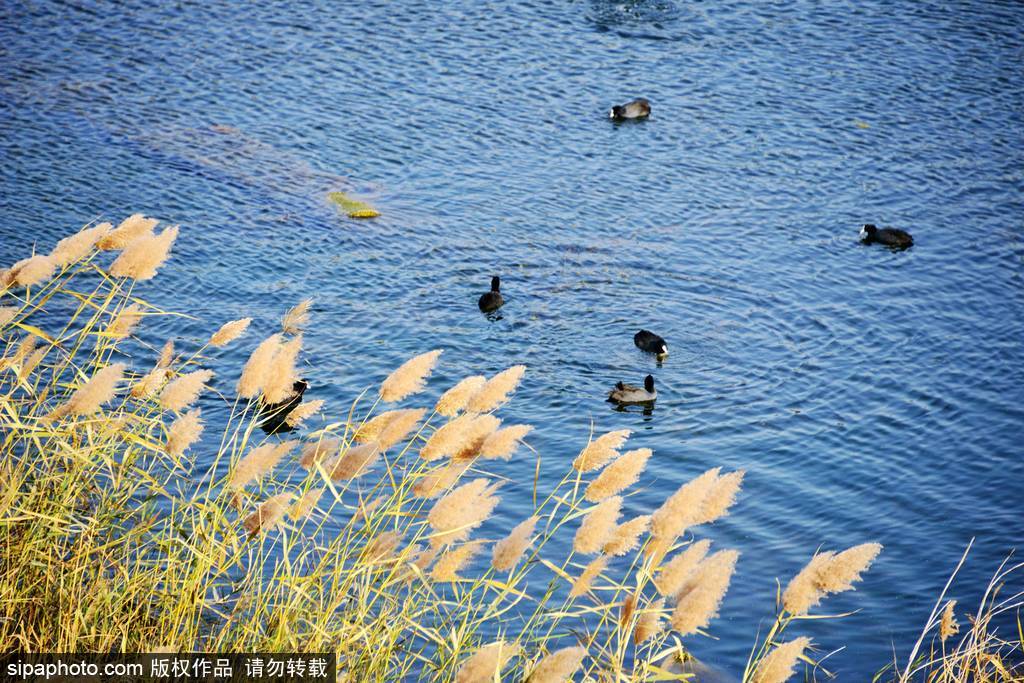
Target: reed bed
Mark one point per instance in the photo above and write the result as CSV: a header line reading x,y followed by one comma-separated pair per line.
x,y
125,525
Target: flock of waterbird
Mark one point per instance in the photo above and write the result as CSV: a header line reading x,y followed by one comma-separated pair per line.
x,y
629,394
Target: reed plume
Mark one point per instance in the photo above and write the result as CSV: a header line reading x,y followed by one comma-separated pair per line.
x,y
627,536
7,314
433,483
680,511
258,462
166,355
488,661
371,429
454,561
319,451
257,368
74,248
149,384
399,427
509,550
268,514
827,573
598,526
127,231
698,601
229,332
91,396
32,271
504,442
777,666
721,497
600,450
454,517
622,473
453,401
354,462
183,432
948,625
381,547
584,581
558,665
366,508
495,392
480,428
296,318
648,624
144,255
674,573
281,375
306,503
30,363
182,392
303,412
447,439
125,322
409,378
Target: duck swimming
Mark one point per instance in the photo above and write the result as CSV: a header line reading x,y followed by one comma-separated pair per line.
x,y
492,300
276,414
890,237
646,340
637,109
624,394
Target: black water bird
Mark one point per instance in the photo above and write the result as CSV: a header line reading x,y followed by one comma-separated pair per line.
x,y
492,300
637,109
890,237
625,394
275,415
646,340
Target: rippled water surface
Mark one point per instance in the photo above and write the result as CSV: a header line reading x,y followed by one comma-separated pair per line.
x,y
870,395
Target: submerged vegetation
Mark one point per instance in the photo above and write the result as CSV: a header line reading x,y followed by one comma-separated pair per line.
x,y
360,531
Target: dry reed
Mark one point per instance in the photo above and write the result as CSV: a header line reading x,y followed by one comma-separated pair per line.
x,y
627,536
948,625
700,597
675,572
484,664
257,368
409,378
144,255
598,526
354,462
303,412
229,332
502,444
306,503
509,550
453,401
127,231
619,475
125,322
76,247
399,427
278,383
827,573
600,450
495,391
297,317
585,581
258,462
648,623
183,391
99,390
183,432
454,517
777,666
268,514
558,665
454,561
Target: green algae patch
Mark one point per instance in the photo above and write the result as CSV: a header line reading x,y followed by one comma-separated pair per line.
x,y
353,208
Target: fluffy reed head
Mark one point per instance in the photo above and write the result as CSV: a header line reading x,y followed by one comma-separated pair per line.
x,y
268,514
320,451
303,412
558,665
454,561
399,427
127,231
648,622
682,509
480,428
166,354
125,321
279,382
371,429
183,432
7,314
150,383
258,462
495,392
144,255
674,573
182,392
485,663
32,271
433,483
509,550
230,331
91,396
454,517
75,247
382,547
827,573
622,473
453,401
948,625
257,368
354,462
297,317
504,442
409,378
700,597
306,503
461,437
600,450
777,666
721,497
627,536
585,580
598,526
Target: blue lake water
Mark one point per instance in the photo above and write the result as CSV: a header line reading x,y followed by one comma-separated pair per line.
x,y
870,395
